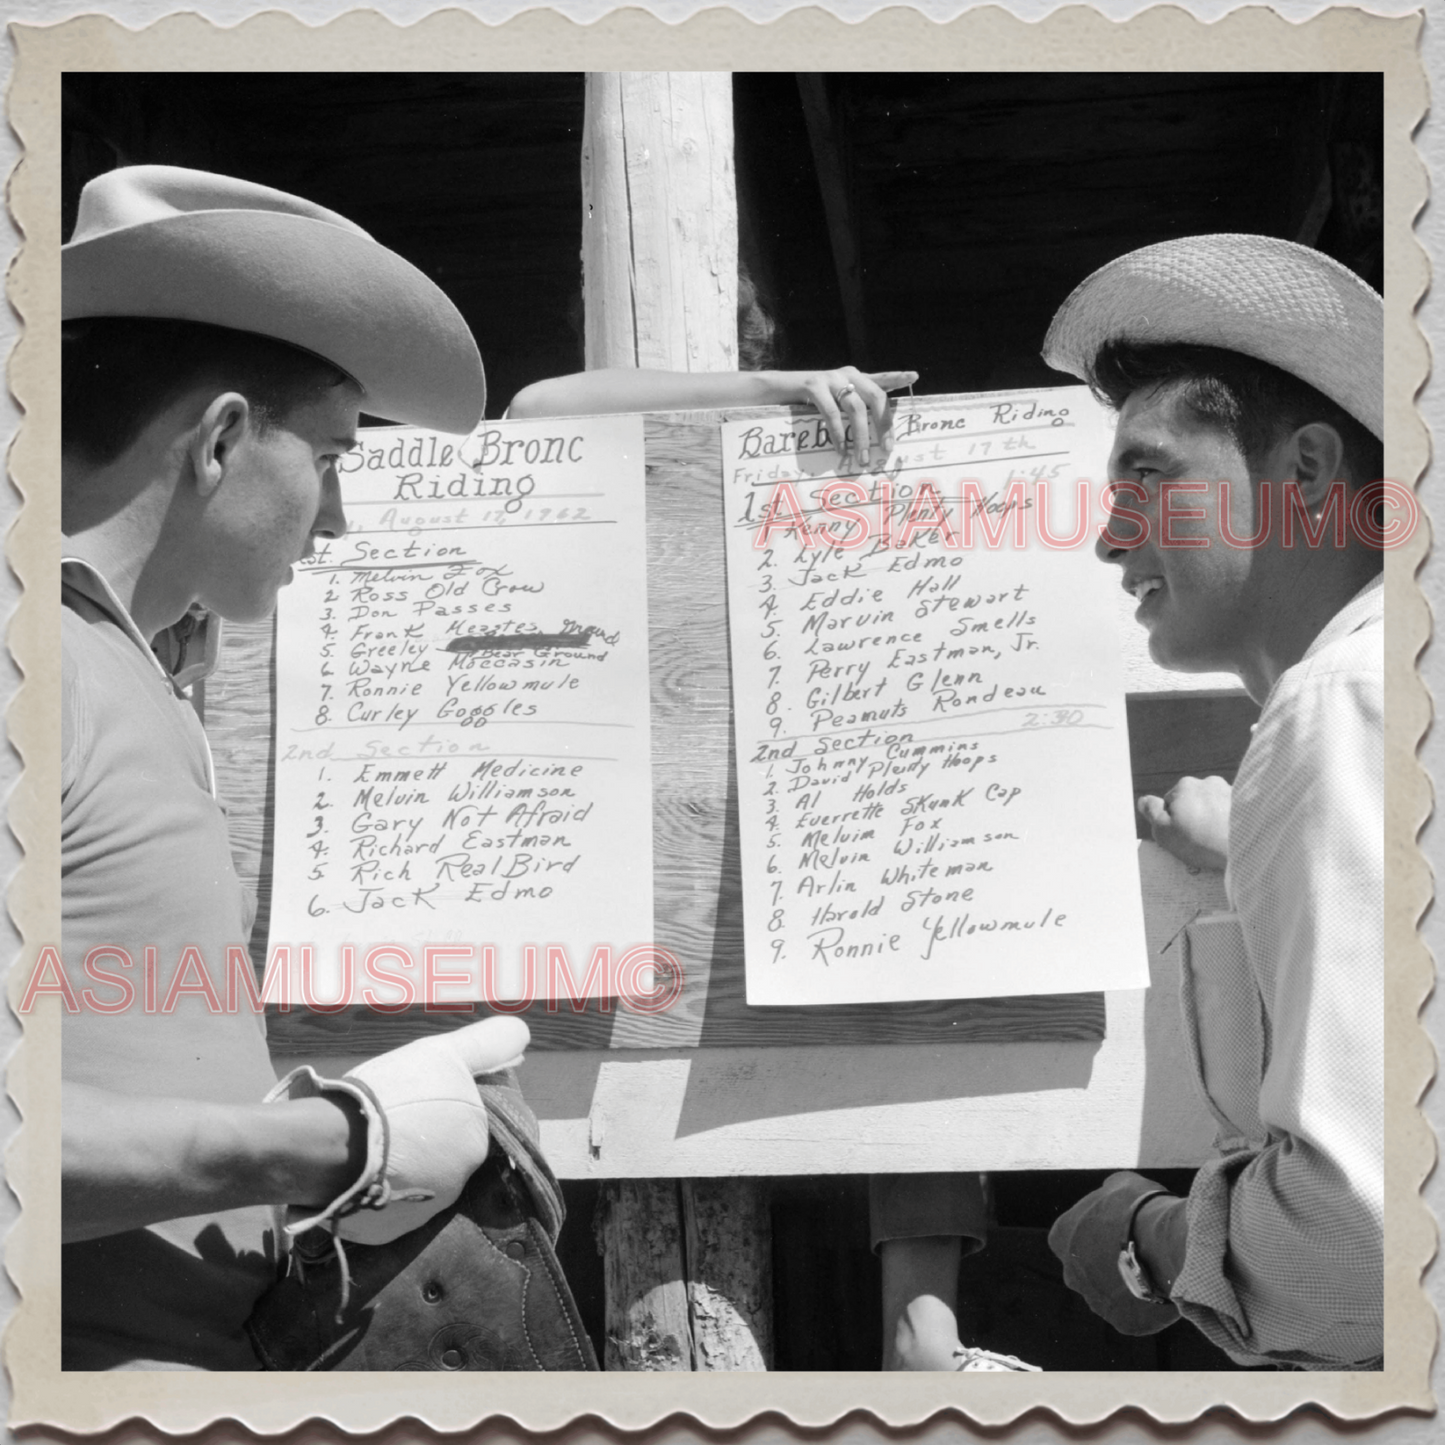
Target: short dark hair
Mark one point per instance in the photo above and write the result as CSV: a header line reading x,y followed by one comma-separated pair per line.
x,y
118,373
1252,402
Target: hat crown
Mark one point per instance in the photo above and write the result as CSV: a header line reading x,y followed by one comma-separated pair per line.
x,y
1275,300
136,195
182,245
1253,273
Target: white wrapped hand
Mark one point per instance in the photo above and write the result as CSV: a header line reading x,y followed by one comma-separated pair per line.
x,y
426,1127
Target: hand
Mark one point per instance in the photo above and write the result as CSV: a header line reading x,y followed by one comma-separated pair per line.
x,y
849,397
1192,821
426,1126
1088,1240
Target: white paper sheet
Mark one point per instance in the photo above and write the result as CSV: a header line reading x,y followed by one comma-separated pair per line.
x,y
462,752
932,751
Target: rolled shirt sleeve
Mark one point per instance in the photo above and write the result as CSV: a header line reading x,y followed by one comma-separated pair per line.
x,y
1286,1240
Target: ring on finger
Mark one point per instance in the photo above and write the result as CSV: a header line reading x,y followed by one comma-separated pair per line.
x,y
844,391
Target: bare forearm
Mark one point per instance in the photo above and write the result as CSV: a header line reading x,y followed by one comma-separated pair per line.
x,y
130,1160
1161,1237
607,390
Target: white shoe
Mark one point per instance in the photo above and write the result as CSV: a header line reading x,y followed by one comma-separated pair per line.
x,y
974,1359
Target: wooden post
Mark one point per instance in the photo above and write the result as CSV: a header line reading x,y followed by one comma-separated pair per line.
x,y
729,1238
639,1234
687,1264
660,221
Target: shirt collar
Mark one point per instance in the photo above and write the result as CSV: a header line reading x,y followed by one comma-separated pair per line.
x,y
81,577
183,653
1365,607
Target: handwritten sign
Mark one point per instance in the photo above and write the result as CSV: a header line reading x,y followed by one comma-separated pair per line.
x,y
932,752
462,752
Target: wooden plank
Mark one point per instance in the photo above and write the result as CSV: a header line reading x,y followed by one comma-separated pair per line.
x,y
241,729
659,221
728,1233
697,879
1013,120
697,848
660,283
639,1233
1174,734
1126,1101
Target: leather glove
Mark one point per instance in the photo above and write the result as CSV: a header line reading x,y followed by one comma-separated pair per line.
x,y
477,1287
1089,1239
426,1127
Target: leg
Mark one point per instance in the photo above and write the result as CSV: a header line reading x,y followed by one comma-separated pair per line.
x,y
921,1225
920,1297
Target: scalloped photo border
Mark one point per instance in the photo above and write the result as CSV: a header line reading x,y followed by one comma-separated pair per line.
x,y
1077,38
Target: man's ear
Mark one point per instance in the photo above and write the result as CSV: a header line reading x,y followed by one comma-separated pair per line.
x,y
1314,456
220,430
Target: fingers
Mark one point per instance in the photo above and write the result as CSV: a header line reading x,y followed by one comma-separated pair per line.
x,y
893,380
1191,821
872,389
821,395
491,1044
1154,811
855,395
875,399
854,404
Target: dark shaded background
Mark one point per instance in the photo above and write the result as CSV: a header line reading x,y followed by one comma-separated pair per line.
x,y
976,202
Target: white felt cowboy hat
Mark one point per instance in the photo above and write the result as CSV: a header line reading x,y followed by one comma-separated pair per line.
x,y
160,241
1279,302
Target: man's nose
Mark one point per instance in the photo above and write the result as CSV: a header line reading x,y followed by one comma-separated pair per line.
x,y
1107,548
331,518
1121,531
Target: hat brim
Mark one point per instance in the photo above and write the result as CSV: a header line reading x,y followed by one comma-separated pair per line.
x,y
330,291
1276,301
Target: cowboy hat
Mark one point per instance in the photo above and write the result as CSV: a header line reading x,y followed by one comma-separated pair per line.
x,y
184,245
1273,300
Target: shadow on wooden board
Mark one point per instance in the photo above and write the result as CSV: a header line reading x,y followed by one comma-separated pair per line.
x,y
727,1087
697,849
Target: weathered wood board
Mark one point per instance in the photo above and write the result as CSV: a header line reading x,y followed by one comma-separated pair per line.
x,y
1125,1101
697,885
1173,733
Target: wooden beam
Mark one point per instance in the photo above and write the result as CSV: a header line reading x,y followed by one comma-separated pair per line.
x,y
687,1265
659,221
827,144
727,1229
639,1234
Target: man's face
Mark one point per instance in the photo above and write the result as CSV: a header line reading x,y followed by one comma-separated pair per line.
x,y
1199,596
280,493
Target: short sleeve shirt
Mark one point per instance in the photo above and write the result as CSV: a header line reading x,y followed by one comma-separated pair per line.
x,y
149,892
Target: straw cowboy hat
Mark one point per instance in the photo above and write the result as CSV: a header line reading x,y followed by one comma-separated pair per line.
x,y
160,241
1278,302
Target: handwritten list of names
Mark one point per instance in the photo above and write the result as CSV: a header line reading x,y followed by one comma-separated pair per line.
x,y
932,752
462,733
